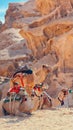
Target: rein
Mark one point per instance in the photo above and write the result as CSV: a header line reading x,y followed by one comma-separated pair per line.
x,y
22,81
50,99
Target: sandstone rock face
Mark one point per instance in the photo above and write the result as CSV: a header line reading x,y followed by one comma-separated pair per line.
x,y
36,12
64,51
46,6
60,41
20,14
42,35
13,50
0,24
34,18
37,32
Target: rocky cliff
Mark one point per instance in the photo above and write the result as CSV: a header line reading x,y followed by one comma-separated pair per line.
x,y
37,32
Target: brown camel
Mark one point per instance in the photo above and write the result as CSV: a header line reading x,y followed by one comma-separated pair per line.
x,y
27,105
16,107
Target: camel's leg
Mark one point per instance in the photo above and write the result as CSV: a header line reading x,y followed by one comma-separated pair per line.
x,y
41,103
10,106
13,105
16,111
1,109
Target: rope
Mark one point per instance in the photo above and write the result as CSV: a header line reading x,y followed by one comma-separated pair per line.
x,y
47,95
10,106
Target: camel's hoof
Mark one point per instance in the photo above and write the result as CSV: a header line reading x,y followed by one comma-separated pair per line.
x,y
28,113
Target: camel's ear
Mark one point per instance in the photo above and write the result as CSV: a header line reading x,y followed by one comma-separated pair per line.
x,y
47,67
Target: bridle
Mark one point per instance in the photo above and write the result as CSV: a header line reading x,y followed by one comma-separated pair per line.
x,y
34,94
61,101
39,88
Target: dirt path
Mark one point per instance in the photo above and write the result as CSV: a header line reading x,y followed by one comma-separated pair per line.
x,y
40,120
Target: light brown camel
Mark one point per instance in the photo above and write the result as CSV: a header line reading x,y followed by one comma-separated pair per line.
x,y
45,101
37,96
16,107
29,80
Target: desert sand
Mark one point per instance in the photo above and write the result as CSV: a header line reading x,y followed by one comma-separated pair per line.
x,y
59,119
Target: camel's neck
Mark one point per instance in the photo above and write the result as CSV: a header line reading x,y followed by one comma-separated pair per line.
x,y
55,101
40,76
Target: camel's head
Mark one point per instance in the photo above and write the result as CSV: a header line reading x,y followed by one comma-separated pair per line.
x,y
62,94
47,68
65,92
23,92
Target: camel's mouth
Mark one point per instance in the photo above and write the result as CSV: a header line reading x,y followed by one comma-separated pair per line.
x,y
32,95
24,98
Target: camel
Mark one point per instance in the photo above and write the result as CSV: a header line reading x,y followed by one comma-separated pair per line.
x,y
36,96
27,105
55,102
46,101
16,107
39,99
29,80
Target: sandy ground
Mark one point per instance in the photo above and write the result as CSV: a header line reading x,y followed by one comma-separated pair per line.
x,y
60,119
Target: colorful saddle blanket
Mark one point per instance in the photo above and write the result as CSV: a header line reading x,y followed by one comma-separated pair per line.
x,y
12,98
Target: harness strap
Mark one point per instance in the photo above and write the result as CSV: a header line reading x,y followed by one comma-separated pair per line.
x,y
22,80
38,98
37,95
